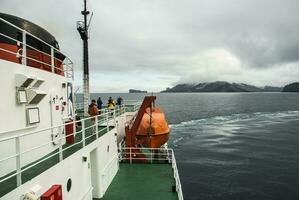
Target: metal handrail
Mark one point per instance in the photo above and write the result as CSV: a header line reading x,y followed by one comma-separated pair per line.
x,y
68,73
105,111
28,33
19,169
169,156
135,105
177,178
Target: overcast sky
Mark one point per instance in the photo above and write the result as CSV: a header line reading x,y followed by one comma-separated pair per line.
x,y
154,44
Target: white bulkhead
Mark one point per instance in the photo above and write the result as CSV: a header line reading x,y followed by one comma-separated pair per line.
x,y
90,169
47,105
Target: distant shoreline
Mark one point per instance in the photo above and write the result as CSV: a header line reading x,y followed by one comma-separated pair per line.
x,y
226,87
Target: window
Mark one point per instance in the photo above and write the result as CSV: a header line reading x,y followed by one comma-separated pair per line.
x,y
33,116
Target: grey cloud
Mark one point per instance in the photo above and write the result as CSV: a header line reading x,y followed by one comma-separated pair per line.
x,y
170,37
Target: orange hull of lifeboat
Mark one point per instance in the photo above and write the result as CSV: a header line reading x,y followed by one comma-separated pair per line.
x,y
153,133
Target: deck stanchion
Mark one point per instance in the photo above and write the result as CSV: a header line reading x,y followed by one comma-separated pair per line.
x,y
107,119
74,125
130,155
83,132
151,156
52,59
24,49
60,144
18,161
97,127
114,117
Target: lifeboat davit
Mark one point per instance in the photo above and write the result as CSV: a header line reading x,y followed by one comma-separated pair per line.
x,y
153,130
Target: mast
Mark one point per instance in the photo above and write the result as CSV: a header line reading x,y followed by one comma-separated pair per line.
x,y
83,31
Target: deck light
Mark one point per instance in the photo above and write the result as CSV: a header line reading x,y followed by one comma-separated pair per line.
x,y
21,96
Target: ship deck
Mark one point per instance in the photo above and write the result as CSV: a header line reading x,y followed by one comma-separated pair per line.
x,y
133,181
11,183
142,181
52,158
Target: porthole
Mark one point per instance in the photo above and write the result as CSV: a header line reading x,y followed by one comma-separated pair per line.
x,y
69,185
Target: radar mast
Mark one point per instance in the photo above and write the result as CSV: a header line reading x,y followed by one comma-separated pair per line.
x,y
82,28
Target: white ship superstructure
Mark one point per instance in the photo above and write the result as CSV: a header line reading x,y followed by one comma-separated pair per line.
x,y
44,151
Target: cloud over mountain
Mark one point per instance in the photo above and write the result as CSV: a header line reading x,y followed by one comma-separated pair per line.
x,y
248,41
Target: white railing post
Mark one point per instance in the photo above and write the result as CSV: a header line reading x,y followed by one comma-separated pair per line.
x,y
74,125
60,144
172,159
83,132
97,127
18,161
151,156
52,59
107,119
24,49
114,117
130,155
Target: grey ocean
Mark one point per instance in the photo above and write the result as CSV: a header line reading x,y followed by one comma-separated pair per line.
x,y
234,146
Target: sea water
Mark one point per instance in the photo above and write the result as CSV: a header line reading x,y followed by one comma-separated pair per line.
x,y
233,146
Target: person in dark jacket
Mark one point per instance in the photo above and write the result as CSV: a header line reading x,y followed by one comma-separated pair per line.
x,y
99,104
119,101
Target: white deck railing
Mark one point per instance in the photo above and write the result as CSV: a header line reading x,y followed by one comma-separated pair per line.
x,y
67,64
133,103
106,118
153,155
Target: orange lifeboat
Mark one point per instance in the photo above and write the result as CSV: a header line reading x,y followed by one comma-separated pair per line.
x,y
153,130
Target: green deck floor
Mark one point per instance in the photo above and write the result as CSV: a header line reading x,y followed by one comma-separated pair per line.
x,y
142,181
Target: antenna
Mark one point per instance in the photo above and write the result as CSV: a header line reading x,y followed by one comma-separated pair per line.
x,y
83,31
89,20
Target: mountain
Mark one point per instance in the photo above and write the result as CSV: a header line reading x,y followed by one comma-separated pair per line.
x,y
293,87
136,91
220,86
272,89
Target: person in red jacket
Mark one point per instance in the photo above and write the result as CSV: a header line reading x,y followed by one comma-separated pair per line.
x,y
93,112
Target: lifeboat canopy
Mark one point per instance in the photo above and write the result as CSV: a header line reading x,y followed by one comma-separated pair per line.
x,y
153,130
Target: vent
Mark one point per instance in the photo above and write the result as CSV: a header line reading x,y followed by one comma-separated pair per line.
x,y
37,83
35,96
23,80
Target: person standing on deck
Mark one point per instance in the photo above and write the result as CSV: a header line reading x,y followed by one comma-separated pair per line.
x,y
111,104
93,112
99,104
119,101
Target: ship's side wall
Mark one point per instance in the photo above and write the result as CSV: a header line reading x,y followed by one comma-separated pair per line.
x,y
82,173
14,115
